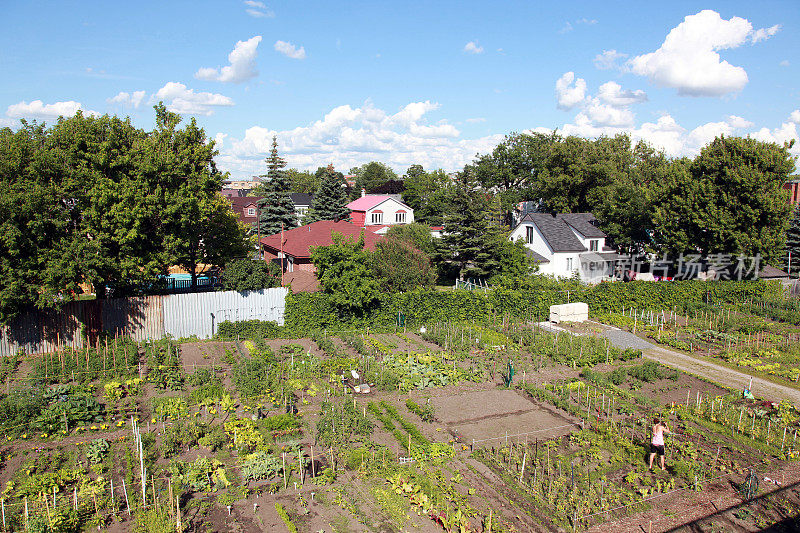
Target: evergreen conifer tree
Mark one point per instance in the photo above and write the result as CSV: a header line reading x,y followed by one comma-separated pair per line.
x,y
793,239
465,239
276,208
330,200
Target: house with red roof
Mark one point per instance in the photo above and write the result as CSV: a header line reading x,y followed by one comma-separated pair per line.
x,y
379,211
292,249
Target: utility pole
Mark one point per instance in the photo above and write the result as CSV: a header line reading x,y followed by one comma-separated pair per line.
x,y
258,226
283,257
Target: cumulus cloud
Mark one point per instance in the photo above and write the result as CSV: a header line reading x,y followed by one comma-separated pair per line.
x,y
607,60
677,141
128,99
242,64
689,61
570,91
348,136
473,48
179,99
290,50
38,109
612,93
785,133
258,9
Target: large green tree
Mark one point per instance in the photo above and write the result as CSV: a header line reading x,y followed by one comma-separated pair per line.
x,y
276,207
370,175
466,232
345,271
302,181
94,199
729,200
330,200
425,192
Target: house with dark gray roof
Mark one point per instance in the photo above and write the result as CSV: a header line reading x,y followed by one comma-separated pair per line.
x,y
302,203
565,245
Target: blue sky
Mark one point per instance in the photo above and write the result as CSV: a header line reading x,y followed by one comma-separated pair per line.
x,y
411,82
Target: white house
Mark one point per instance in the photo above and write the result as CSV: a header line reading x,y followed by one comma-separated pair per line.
x,y
379,211
566,244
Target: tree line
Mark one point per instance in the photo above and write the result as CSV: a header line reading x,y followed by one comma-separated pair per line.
x,y
96,200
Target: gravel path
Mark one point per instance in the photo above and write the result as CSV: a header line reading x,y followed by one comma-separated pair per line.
x,y
707,369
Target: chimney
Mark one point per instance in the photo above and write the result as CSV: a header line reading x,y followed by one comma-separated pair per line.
x,y
363,193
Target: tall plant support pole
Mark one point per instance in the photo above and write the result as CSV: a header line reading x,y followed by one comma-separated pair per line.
x,y
127,503
283,258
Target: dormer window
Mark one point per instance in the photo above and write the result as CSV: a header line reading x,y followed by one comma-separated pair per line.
x,y
251,211
594,245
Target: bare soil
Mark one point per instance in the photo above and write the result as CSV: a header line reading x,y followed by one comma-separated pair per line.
x,y
493,414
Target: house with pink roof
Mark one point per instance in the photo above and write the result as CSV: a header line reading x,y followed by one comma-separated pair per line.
x,y
379,211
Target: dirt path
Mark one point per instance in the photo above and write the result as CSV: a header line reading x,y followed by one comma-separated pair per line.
x,y
706,369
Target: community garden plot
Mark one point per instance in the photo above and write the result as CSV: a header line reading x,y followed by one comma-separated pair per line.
x,y
486,415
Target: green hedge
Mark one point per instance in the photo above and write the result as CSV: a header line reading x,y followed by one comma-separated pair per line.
x,y
606,297
306,312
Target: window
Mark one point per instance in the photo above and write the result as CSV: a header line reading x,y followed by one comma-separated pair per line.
x,y
569,264
377,217
400,217
251,211
594,245
529,234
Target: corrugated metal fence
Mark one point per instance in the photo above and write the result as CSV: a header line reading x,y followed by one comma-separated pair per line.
x,y
150,317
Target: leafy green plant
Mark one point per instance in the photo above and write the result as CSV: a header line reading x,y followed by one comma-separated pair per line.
x,y
285,517
260,465
425,413
96,450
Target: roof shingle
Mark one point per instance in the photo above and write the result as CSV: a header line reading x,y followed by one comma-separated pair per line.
x,y
298,241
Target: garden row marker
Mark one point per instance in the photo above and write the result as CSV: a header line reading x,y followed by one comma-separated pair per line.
x,y
3,505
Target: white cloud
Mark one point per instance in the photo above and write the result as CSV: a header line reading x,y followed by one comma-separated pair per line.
x,y
290,50
475,120
739,122
785,133
258,9
38,109
128,99
566,28
606,115
242,64
676,141
784,63
179,99
348,136
570,91
473,48
688,60
763,34
608,59
611,93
